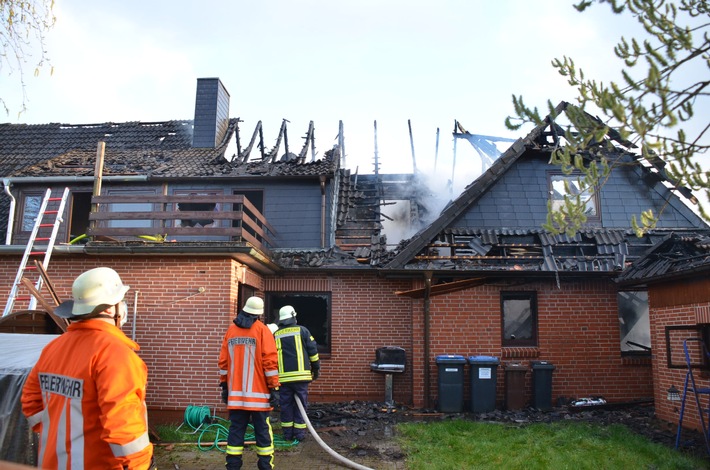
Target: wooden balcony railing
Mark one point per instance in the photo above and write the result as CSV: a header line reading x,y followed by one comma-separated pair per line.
x,y
176,217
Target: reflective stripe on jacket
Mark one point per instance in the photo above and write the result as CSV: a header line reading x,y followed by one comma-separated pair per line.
x,y
248,363
297,350
86,398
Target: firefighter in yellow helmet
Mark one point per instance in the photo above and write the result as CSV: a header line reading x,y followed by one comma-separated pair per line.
x,y
249,378
298,365
86,394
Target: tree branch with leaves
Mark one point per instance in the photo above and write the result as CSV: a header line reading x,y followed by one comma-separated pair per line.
x,y
665,80
23,25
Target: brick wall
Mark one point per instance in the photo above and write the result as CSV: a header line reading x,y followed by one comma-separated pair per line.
x,y
578,332
180,330
664,376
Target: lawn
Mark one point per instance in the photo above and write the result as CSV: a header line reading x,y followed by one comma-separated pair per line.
x,y
461,444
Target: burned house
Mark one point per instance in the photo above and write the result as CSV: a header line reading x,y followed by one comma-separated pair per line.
x,y
674,272
195,227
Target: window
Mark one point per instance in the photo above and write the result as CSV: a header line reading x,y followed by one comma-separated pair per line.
x,y
130,207
634,325
519,312
312,311
30,211
561,185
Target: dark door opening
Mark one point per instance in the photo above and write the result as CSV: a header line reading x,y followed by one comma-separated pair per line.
x,y
79,214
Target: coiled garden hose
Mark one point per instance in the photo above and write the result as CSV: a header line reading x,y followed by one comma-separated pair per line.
x,y
215,430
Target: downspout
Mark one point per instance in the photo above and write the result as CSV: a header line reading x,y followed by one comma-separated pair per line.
x,y
11,216
427,337
322,211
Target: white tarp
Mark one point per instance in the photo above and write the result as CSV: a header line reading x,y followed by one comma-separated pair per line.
x,y
18,354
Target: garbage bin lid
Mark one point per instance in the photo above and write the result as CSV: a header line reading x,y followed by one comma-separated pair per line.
x,y
515,366
541,365
490,360
450,359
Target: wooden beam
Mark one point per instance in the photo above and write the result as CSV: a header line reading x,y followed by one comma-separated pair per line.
x,y
440,289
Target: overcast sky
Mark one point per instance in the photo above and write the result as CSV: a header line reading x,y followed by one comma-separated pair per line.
x,y
431,62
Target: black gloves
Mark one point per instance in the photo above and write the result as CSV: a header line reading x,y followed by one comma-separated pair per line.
x,y
315,372
225,392
274,397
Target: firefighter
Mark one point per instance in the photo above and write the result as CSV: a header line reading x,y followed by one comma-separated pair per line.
x,y
298,365
249,378
85,396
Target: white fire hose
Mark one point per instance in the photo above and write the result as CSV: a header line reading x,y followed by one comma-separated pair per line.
x,y
340,458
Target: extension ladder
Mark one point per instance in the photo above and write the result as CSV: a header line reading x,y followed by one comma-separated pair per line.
x,y
54,219
698,392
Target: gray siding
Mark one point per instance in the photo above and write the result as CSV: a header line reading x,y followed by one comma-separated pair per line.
x,y
519,199
294,210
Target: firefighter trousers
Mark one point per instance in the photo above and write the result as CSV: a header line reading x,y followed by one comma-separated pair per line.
x,y
262,433
293,424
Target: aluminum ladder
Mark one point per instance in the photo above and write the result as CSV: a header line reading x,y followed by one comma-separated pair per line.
x,y
53,209
697,392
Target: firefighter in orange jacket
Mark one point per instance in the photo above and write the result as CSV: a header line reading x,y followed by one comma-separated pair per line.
x,y
249,377
86,394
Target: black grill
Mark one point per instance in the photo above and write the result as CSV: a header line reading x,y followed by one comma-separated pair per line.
x,y
389,359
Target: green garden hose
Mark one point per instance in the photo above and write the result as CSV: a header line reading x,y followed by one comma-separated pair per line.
x,y
215,430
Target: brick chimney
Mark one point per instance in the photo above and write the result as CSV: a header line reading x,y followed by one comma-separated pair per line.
x,y
211,113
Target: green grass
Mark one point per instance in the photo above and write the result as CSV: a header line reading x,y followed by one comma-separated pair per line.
x,y
461,444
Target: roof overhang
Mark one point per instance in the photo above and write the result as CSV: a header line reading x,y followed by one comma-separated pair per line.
x,y
246,254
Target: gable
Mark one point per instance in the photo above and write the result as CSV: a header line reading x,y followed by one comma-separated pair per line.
x,y
518,199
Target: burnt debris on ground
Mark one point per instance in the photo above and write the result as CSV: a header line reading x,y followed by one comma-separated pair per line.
x,y
362,421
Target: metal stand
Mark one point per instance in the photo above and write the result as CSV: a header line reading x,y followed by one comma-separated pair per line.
x,y
388,390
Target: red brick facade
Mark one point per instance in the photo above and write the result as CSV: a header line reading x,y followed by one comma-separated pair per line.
x,y
180,328
683,305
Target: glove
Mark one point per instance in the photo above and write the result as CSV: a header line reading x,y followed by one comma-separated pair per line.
x,y
274,397
225,392
315,373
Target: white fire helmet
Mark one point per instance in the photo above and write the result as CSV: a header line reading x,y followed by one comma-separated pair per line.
x,y
254,306
93,288
286,313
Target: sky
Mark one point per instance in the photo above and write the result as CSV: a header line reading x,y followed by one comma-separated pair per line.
x,y
391,62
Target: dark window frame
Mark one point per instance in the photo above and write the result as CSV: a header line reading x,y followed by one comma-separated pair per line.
x,y
530,296
24,196
276,299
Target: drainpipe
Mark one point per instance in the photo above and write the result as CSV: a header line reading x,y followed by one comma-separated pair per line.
x,y
11,216
427,338
322,211
7,183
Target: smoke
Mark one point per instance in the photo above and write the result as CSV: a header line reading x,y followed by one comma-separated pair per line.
x,y
435,186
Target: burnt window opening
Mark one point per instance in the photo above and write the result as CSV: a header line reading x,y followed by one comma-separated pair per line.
x,y
312,311
519,318
634,324
198,207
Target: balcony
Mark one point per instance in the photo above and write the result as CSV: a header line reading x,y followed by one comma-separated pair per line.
x,y
180,218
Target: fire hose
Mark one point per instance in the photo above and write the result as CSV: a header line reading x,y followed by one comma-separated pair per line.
x,y
325,446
